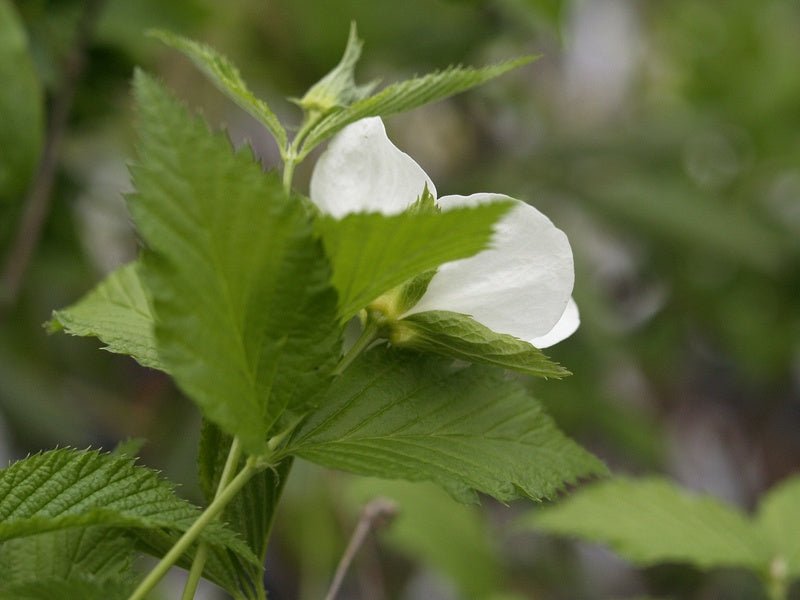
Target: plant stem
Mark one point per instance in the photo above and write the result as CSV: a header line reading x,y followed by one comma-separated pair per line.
x,y
288,173
369,335
187,539
199,562
379,511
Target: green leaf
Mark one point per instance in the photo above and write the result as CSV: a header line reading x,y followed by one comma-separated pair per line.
x,y
372,253
118,313
651,520
95,560
22,107
62,489
251,512
338,88
460,336
778,519
245,314
397,415
225,76
405,95
430,528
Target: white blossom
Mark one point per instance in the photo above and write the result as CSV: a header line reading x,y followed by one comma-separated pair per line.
x,y
521,285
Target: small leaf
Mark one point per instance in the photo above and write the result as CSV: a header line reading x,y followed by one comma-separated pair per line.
x,y
118,313
372,253
651,521
338,88
460,336
405,95
397,415
225,76
245,314
63,489
779,519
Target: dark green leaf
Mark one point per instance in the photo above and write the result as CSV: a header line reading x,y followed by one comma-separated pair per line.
x,y
397,415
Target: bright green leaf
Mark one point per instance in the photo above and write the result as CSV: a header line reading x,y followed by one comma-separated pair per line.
x,y
459,336
225,76
405,95
84,588
651,521
63,489
397,415
372,253
118,313
245,314
22,110
779,519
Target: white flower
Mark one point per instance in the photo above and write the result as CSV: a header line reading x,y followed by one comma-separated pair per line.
x,y
520,286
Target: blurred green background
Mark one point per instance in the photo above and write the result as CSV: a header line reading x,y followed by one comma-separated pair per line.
x,y
662,137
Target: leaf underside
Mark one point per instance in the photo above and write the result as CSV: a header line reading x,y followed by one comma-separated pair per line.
x,y
398,415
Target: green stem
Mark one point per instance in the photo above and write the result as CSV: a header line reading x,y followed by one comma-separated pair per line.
x,y
187,539
369,335
199,562
288,172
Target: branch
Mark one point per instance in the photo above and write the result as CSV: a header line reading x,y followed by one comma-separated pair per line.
x,y
38,201
378,513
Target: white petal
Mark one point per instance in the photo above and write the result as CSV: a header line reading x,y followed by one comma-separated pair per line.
x,y
363,171
565,327
519,286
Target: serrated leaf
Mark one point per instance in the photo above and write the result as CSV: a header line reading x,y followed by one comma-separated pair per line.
x,y
22,107
397,415
430,528
245,314
117,312
372,253
225,76
408,94
63,489
651,520
460,336
251,512
95,560
778,518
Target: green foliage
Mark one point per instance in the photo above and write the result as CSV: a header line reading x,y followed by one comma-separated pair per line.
x,y
89,562
399,415
372,253
453,539
63,489
22,108
245,316
338,88
405,95
651,521
225,76
251,513
118,313
779,519
460,336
